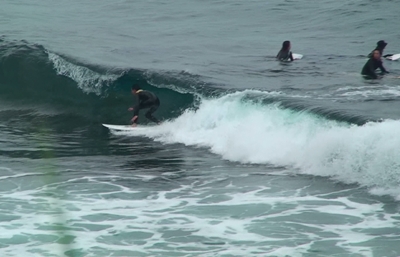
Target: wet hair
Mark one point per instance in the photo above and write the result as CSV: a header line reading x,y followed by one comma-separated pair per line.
x,y
135,87
285,45
381,43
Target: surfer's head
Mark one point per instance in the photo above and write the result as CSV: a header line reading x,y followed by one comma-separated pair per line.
x,y
135,88
376,54
286,45
381,44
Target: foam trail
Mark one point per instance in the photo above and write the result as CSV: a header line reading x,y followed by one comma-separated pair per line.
x,y
249,132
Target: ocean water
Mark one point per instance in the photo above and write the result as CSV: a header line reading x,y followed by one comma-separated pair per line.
x,y
254,157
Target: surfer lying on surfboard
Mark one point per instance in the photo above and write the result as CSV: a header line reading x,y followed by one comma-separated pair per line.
x,y
372,64
145,100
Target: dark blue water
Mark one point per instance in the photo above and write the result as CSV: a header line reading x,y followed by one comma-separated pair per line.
x,y
255,157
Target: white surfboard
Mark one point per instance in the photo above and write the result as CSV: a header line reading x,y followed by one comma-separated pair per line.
x,y
122,127
393,57
297,56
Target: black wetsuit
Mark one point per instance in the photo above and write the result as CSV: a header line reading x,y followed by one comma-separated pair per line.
x,y
284,56
370,67
146,100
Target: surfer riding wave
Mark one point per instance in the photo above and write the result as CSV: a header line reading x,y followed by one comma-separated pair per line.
x,y
145,100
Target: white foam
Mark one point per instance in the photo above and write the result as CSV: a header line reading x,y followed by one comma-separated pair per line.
x,y
230,227
381,91
249,132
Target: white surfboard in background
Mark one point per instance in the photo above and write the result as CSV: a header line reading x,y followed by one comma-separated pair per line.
x,y
297,56
394,57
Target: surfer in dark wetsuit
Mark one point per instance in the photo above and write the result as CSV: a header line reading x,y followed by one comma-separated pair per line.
x,y
145,100
285,54
372,64
380,46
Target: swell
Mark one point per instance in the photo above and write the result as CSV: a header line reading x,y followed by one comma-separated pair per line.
x,y
34,81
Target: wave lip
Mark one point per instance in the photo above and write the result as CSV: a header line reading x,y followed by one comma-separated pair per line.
x,y
38,79
87,80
